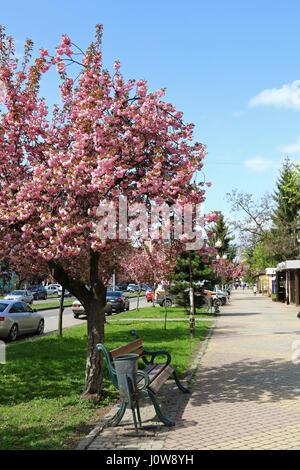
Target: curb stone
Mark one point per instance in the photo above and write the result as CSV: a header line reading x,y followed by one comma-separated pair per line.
x,y
87,441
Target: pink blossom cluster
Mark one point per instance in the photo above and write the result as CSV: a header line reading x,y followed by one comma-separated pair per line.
x,y
228,270
109,137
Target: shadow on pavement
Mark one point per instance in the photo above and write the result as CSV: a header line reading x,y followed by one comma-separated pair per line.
x,y
248,381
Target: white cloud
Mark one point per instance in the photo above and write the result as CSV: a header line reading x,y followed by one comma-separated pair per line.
x,y
291,149
288,96
260,164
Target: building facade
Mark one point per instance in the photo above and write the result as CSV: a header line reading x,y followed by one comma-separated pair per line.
x,y
288,282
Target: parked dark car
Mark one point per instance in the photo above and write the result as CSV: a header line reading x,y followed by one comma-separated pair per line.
x,y
38,292
166,299
117,300
122,286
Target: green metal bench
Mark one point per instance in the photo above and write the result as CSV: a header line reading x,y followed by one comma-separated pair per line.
x,y
154,375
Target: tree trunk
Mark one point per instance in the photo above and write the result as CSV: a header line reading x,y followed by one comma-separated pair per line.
x,y
165,320
93,299
60,313
138,299
95,331
153,298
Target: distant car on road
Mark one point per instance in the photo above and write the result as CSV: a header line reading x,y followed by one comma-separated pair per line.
x,y
122,286
67,293
38,292
117,300
221,295
149,296
132,288
21,295
78,309
18,318
165,299
52,289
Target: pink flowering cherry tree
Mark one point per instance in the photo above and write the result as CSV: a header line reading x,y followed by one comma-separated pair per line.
x,y
107,138
228,271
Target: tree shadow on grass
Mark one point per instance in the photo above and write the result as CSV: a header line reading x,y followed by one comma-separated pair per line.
x,y
35,437
52,367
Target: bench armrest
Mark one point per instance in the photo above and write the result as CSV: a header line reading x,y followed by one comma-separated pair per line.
x,y
153,354
146,380
111,369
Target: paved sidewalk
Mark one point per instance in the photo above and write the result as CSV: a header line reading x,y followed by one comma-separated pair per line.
x,y
245,394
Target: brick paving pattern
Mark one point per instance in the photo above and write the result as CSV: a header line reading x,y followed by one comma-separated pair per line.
x,y
245,393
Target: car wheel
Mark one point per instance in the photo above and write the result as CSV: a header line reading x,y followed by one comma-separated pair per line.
x,y
167,303
13,333
41,327
127,308
75,315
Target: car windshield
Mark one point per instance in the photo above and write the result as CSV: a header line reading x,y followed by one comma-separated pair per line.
x,y
33,288
114,293
3,307
17,292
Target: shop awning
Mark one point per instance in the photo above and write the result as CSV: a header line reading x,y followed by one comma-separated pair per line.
x,y
288,265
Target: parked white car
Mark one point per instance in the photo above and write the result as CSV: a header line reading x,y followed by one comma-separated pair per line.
x,y
67,293
18,318
53,289
21,295
78,309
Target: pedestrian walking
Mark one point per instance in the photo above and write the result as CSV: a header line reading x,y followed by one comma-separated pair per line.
x,y
254,289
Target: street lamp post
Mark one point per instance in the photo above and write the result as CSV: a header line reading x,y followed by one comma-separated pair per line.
x,y
223,257
192,305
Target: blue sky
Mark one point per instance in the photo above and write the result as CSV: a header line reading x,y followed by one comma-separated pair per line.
x,y
231,66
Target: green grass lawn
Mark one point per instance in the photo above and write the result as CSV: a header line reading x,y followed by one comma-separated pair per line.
x,y
43,377
159,312
44,305
130,295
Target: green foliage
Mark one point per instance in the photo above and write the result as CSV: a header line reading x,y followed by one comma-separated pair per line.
x,y
222,234
200,272
286,209
258,257
279,242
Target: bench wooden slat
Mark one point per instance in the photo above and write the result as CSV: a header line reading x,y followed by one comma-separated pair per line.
x,y
135,346
152,370
161,379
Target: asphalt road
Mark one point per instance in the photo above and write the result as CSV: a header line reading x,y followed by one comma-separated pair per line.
x,y
51,316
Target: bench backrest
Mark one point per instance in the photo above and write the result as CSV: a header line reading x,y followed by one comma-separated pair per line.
x,y
133,347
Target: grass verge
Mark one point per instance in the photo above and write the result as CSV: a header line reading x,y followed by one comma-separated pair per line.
x,y
42,379
159,312
46,305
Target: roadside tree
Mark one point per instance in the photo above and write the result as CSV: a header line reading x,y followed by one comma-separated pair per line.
x,y
108,138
